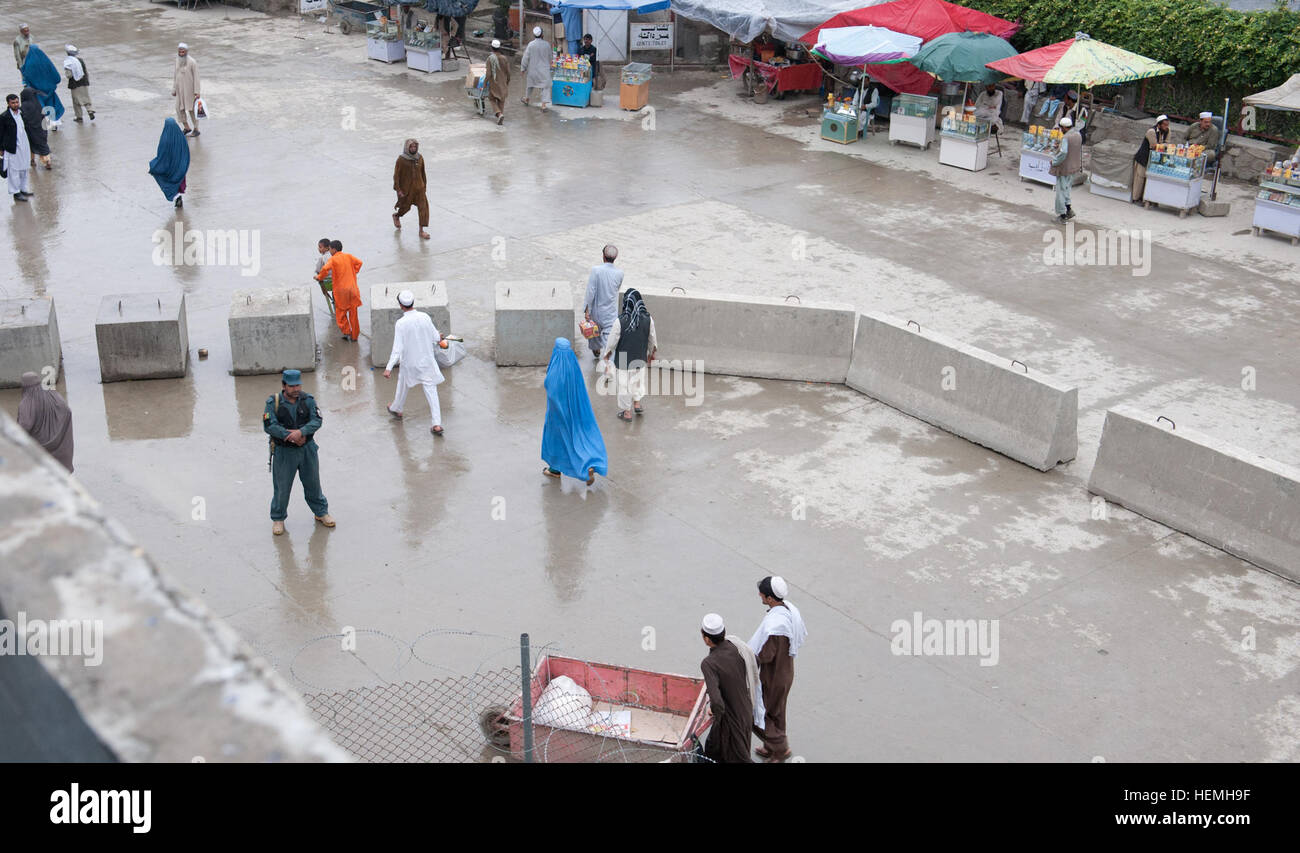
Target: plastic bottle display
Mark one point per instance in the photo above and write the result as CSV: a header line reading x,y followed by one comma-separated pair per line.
x,y
570,68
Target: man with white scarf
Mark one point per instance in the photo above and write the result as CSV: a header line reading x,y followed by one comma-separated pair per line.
x,y
414,337
775,644
74,68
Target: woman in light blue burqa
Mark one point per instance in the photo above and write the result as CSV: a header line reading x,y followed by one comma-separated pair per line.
x,y
571,441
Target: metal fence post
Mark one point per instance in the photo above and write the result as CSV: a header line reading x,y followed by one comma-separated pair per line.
x,y
526,677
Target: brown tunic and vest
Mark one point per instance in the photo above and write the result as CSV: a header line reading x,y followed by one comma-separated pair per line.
x,y
726,681
409,181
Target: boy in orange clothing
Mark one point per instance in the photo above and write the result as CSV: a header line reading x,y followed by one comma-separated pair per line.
x,y
347,295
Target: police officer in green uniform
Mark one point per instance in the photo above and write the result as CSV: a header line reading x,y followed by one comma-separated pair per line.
x,y
291,420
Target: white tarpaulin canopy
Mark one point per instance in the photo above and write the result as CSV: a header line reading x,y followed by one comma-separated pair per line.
x,y
746,19
1284,97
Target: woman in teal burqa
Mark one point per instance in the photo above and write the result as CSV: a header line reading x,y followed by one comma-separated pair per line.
x,y
172,162
571,442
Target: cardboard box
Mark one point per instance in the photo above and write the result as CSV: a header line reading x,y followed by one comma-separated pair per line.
x,y
633,97
476,70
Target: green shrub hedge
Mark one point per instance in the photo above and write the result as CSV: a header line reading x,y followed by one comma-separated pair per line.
x,y
1246,50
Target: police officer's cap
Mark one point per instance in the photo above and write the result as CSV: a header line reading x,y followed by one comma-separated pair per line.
x,y
291,377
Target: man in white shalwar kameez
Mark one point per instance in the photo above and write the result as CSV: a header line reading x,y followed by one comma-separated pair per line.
x,y
17,151
536,65
775,644
414,340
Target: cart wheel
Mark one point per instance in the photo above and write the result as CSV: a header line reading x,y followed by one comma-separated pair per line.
x,y
482,107
345,26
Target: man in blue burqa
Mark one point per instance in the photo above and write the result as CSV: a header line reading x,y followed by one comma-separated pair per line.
x,y
571,441
172,162
39,73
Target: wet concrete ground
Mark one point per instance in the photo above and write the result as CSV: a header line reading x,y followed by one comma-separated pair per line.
x,y
1119,638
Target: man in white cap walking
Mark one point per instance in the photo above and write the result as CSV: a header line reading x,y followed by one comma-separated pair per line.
x,y
414,337
731,680
1205,133
775,644
22,42
74,68
185,88
498,80
536,65
1067,163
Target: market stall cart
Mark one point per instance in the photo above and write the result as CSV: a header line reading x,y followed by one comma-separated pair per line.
x,y
911,120
353,14
570,80
424,50
634,86
1174,180
384,41
842,121
609,713
775,77
1277,204
964,143
1038,146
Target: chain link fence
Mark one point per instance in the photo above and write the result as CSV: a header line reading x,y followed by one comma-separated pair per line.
x,y
574,711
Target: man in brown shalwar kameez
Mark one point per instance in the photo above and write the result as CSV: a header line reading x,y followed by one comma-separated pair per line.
x,y
409,183
727,678
775,644
46,417
498,80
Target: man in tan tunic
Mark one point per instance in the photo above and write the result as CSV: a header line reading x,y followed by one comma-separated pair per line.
x,y
185,87
498,80
22,42
409,183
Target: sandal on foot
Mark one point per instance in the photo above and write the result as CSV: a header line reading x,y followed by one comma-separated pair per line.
x,y
591,476
397,415
624,416
548,472
638,410
438,431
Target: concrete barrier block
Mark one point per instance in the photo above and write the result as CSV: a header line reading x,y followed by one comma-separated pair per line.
x,y
530,315
969,392
1213,208
142,336
29,340
753,336
1228,497
430,297
271,329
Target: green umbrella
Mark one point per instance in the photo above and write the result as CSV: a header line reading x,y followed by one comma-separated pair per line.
x,y
962,57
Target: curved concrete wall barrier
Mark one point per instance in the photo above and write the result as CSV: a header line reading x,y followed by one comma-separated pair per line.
x,y
1235,500
142,671
753,336
967,391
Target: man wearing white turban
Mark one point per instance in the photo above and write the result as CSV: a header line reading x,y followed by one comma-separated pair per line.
x,y
775,644
414,337
74,69
730,678
536,65
185,88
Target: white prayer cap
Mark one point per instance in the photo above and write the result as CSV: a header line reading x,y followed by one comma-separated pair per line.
x,y
182,46
70,48
496,43
406,299
537,31
1161,117
779,587
1206,114
712,624
1066,121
